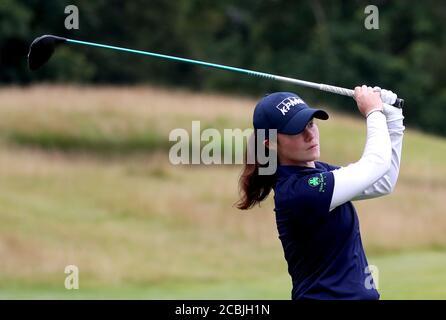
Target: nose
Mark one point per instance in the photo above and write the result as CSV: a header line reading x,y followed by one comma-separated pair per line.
x,y
308,134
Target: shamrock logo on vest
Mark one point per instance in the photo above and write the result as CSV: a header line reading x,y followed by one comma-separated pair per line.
x,y
314,181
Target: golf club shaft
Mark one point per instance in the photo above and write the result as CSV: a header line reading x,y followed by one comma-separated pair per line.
x,y
319,86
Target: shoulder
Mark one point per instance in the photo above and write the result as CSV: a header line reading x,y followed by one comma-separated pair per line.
x,y
309,195
304,187
327,166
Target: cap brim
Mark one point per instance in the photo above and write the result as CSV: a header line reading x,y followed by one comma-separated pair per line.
x,y
299,121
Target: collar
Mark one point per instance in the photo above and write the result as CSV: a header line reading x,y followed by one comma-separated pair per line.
x,y
287,170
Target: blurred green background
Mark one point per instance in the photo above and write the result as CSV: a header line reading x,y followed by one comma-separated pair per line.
x,y
84,172
320,41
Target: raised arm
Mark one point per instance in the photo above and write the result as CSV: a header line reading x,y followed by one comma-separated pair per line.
x,y
386,184
353,179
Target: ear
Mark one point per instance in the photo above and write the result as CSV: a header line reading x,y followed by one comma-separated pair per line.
x,y
269,145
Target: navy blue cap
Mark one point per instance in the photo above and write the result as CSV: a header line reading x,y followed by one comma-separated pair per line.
x,y
286,112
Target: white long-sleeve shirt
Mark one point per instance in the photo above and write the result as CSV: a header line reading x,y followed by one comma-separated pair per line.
x,y
376,173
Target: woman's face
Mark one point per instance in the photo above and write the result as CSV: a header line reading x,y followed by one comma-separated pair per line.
x,y
300,149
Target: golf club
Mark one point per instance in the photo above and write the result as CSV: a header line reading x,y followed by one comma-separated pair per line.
x,y
42,48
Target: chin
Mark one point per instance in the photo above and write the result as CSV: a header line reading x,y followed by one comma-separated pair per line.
x,y
313,157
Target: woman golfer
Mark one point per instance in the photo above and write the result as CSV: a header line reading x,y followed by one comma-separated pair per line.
x,y
316,220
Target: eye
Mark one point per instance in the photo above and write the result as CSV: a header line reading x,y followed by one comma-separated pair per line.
x,y
310,124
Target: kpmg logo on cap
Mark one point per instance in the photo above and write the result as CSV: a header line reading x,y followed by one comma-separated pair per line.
x,y
287,103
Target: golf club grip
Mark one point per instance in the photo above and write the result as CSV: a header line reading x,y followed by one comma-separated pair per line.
x,y
399,103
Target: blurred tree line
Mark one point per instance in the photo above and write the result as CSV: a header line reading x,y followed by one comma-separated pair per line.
x,y
314,40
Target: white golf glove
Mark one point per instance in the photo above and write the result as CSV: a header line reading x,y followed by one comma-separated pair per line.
x,y
387,96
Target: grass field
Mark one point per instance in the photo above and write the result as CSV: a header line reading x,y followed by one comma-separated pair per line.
x,y
85,180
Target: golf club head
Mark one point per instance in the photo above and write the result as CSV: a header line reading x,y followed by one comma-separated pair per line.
x,y
41,50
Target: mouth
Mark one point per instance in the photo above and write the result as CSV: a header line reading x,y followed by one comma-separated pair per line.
x,y
314,146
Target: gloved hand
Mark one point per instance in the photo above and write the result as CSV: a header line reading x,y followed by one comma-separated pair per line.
x,y
387,96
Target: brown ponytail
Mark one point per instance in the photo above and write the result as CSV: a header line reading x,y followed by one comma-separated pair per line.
x,y
253,188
